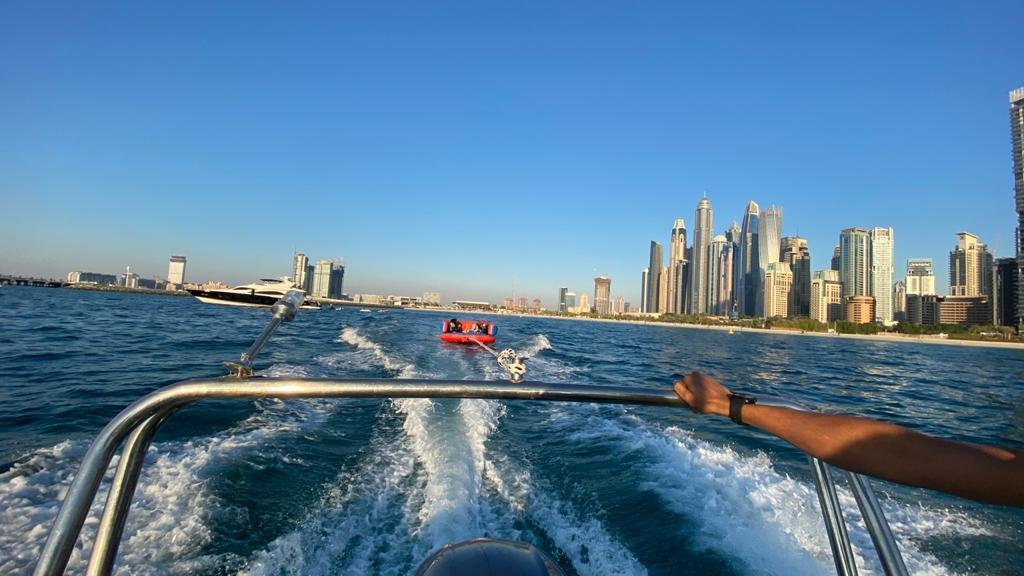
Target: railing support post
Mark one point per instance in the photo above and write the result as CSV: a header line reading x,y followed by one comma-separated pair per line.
x,y
832,513
881,535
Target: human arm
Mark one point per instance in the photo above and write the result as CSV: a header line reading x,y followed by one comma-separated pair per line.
x,y
887,451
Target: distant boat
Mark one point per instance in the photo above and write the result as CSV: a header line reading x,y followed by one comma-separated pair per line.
x,y
263,293
364,310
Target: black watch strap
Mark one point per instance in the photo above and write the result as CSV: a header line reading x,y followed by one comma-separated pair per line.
x,y
736,402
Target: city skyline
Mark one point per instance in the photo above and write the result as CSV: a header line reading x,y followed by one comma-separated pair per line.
x,y
100,166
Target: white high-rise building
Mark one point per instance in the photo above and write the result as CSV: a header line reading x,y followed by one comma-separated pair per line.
x,y
769,248
881,273
920,277
676,260
826,296
970,267
778,281
176,272
702,231
300,267
720,276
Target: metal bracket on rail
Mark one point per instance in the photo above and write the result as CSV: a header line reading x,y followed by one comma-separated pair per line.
x,y
283,311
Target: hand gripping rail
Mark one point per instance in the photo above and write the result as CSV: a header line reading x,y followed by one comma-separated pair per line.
x,y
136,425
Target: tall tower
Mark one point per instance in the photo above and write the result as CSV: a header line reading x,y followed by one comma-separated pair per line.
x,y
176,271
970,267
702,230
602,294
747,275
855,262
676,257
300,266
654,277
881,273
769,236
920,277
1017,139
561,298
721,262
644,281
778,281
798,256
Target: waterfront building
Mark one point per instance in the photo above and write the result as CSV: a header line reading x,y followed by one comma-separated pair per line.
x,y
328,277
508,303
654,277
778,282
570,301
962,310
1017,147
915,310
521,302
663,298
620,305
970,267
703,224
535,304
748,279
176,272
881,273
645,280
855,262
769,238
431,298
584,307
798,256
860,309
835,258
920,277
676,258
561,298
721,266
129,279
602,294
300,271
1004,292
92,278
899,301
826,296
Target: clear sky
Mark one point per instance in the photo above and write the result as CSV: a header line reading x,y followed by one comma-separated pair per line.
x,y
478,148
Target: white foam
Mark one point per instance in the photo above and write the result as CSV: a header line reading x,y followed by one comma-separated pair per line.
x,y
172,509
537,344
353,337
583,539
745,509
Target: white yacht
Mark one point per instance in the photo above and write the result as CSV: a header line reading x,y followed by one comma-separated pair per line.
x,y
265,292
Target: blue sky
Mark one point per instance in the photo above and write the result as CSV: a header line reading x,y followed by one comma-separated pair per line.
x,y
481,147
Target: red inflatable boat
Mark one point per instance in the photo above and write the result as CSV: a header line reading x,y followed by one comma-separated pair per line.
x,y
468,331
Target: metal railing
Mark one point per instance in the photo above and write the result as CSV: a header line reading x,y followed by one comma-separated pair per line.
x,y
136,425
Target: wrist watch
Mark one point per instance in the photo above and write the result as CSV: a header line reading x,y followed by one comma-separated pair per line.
x,y
736,402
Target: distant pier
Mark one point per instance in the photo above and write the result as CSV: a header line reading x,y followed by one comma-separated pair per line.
x,y
6,280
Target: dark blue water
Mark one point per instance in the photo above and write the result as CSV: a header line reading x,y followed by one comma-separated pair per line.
x,y
367,486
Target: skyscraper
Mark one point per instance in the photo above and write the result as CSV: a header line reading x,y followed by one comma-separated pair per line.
x,y
778,280
720,268
663,291
1017,145
826,296
561,298
702,230
835,258
1004,292
747,276
328,277
733,235
798,256
644,281
176,272
970,267
300,265
855,262
881,273
676,257
769,236
899,301
602,294
654,277
920,277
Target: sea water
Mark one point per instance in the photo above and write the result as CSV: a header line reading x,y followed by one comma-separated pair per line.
x,y
373,486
